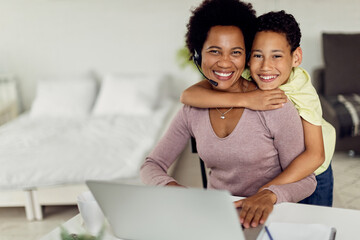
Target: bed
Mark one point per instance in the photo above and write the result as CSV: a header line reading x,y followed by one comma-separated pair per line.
x,y
75,132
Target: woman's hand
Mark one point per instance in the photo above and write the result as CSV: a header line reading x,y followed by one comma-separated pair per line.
x,y
265,100
174,184
256,209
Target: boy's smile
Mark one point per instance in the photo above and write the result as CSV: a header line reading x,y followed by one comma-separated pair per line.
x,y
271,59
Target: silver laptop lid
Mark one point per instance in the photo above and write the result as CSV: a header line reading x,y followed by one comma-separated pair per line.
x,y
163,213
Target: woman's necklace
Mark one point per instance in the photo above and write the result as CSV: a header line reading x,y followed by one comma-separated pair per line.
x,y
222,115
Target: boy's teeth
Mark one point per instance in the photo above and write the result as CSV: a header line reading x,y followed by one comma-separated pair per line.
x,y
267,77
223,74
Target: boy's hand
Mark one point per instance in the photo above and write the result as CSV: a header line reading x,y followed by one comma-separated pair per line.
x,y
256,209
265,100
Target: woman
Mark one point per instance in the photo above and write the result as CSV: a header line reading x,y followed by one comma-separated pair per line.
x,y
243,149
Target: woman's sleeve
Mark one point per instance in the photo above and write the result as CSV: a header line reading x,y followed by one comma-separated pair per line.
x,y
154,169
286,128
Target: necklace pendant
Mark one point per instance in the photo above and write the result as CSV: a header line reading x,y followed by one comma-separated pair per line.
x,y
223,114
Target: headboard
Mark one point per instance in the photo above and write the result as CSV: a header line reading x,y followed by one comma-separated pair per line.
x,y
8,99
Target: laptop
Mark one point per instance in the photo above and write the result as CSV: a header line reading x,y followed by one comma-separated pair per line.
x,y
137,212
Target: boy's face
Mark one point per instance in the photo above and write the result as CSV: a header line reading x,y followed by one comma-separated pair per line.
x,y
271,59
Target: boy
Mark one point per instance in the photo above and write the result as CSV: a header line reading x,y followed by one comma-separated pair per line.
x,y
274,61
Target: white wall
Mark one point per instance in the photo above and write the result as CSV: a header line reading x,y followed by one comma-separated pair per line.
x,y
76,37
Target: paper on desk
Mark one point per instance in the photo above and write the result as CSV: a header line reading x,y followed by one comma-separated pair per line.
x,y
298,231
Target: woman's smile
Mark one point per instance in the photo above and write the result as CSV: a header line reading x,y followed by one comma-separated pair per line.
x,y
223,76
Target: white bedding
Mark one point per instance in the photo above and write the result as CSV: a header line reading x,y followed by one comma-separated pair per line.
x,y
53,151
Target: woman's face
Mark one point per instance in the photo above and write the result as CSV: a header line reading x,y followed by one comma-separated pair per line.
x,y
223,57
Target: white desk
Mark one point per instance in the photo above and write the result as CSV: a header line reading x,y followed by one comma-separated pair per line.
x,y
346,221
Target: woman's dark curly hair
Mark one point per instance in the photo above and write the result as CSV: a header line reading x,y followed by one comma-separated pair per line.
x,y
281,22
224,13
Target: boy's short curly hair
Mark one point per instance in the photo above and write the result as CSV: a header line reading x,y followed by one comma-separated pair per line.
x,y
281,22
212,13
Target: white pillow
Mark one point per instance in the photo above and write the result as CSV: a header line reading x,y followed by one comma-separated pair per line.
x,y
64,98
128,94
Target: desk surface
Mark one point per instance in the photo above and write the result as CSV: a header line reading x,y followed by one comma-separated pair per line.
x,y
346,221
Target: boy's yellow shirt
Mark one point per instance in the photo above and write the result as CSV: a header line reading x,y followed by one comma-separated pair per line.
x,y
303,95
